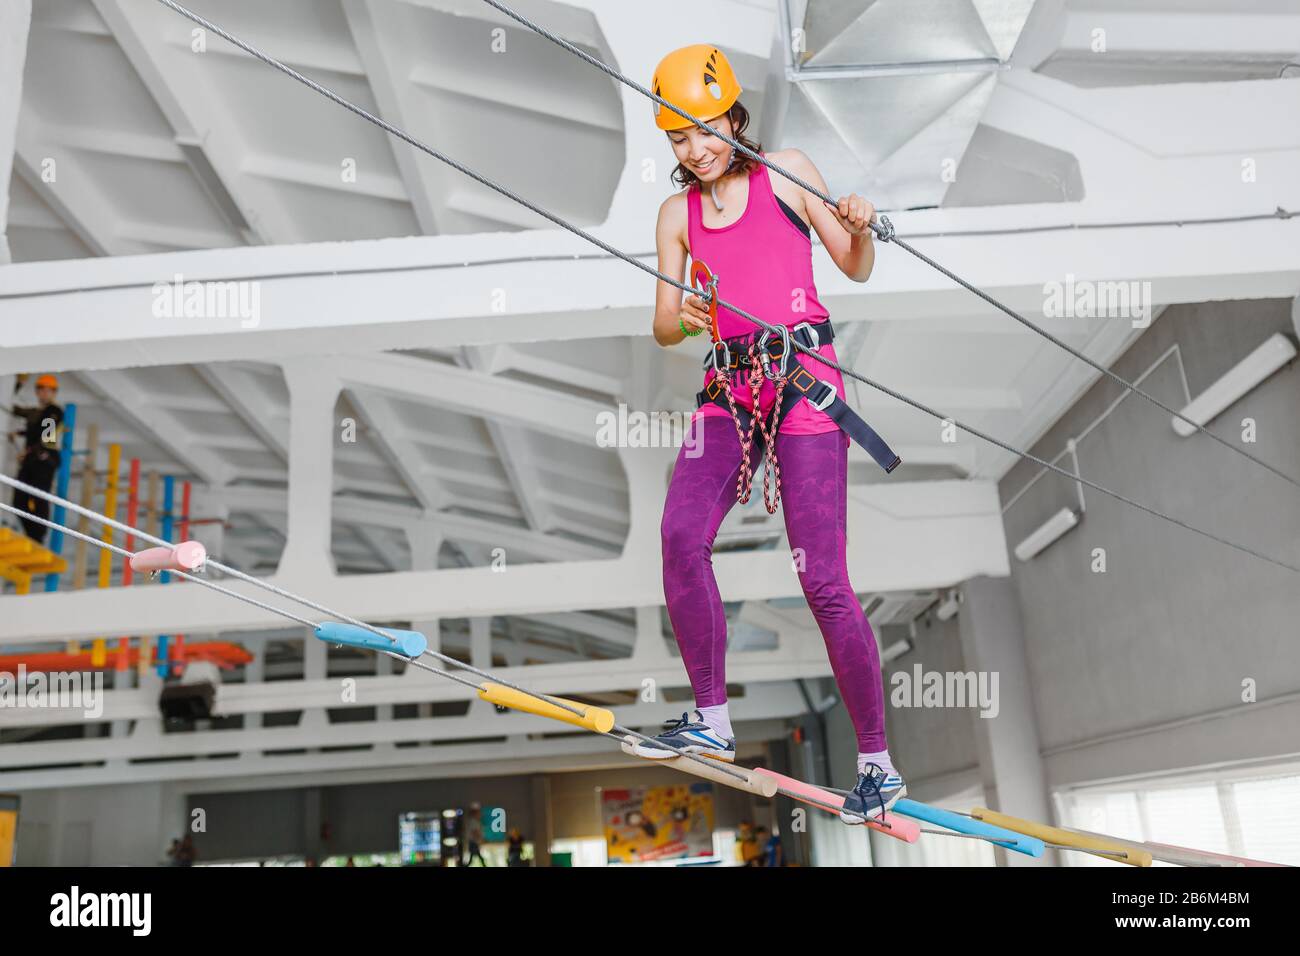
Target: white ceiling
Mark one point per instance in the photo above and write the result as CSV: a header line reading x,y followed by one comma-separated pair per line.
x,y
153,146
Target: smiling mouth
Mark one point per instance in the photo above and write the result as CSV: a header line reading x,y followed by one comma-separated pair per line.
x,y
704,167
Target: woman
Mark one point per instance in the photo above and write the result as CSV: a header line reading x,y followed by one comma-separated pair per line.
x,y
754,232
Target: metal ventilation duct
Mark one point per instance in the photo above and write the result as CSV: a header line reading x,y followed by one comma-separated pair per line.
x,y
885,92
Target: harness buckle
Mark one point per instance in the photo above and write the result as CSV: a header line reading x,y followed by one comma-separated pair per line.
x,y
812,331
825,403
768,352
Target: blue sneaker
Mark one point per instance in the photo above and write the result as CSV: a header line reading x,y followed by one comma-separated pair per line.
x,y
686,736
875,793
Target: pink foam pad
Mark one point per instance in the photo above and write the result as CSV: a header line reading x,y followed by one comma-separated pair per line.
x,y
186,556
898,827
189,555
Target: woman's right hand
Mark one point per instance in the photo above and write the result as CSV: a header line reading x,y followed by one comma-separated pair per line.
x,y
694,314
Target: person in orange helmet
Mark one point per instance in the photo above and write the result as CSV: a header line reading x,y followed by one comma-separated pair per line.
x,y
38,462
763,398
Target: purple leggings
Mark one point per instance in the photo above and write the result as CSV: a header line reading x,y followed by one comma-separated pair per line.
x,y
813,493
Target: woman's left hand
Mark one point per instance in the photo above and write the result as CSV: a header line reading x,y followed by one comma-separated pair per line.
x,y
854,213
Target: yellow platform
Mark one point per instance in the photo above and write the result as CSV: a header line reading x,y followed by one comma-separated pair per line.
x,y
22,559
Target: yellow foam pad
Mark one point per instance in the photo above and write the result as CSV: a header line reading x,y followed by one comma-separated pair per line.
x,y
592,718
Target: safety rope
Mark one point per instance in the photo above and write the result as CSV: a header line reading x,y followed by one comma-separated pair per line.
x,y
745,476
578,231
768,427
884,230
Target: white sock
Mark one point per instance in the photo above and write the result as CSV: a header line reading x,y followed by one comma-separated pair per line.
x,y
881,760
718,719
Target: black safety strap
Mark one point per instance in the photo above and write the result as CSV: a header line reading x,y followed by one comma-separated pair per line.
x,y
800,385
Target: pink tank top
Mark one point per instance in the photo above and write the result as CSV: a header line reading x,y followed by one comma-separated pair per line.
x,y
764,265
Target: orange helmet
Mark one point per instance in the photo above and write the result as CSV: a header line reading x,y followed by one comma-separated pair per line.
x,y
47,381
698,79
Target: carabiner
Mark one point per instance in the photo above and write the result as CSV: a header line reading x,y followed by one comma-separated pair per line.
x,y
767,354
705,284
722,347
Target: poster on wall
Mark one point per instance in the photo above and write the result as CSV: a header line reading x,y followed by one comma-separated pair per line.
x,y
648,824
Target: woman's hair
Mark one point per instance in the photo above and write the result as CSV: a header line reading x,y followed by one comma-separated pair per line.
x,y
739,122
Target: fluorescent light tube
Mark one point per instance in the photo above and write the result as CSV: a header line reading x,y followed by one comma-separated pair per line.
x,y
1276,351
1049,531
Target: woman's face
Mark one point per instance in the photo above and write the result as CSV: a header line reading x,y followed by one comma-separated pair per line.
x,y
701,152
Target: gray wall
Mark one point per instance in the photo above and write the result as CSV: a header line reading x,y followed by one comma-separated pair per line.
x,y
362,818
1139,670
933,747
1177,622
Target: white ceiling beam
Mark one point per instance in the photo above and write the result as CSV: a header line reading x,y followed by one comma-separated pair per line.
x,y
522,476
593,378
240,390
480,478
615,514
149,414
180,83
325,176
425,181
373,539
941,532
454,526
114,142
386,434
483,203
73,199
596,626
352,301
258,772
500,95
798,655
153,234
472,393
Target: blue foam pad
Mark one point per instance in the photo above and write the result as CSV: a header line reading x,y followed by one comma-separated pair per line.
x,y
1030,846
408,643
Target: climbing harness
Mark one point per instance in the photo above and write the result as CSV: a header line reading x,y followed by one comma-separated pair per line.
x,y
770,354
750,429
678,284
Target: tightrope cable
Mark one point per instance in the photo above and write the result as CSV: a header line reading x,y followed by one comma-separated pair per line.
x,y
578,231
623,732
884,231
289,595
